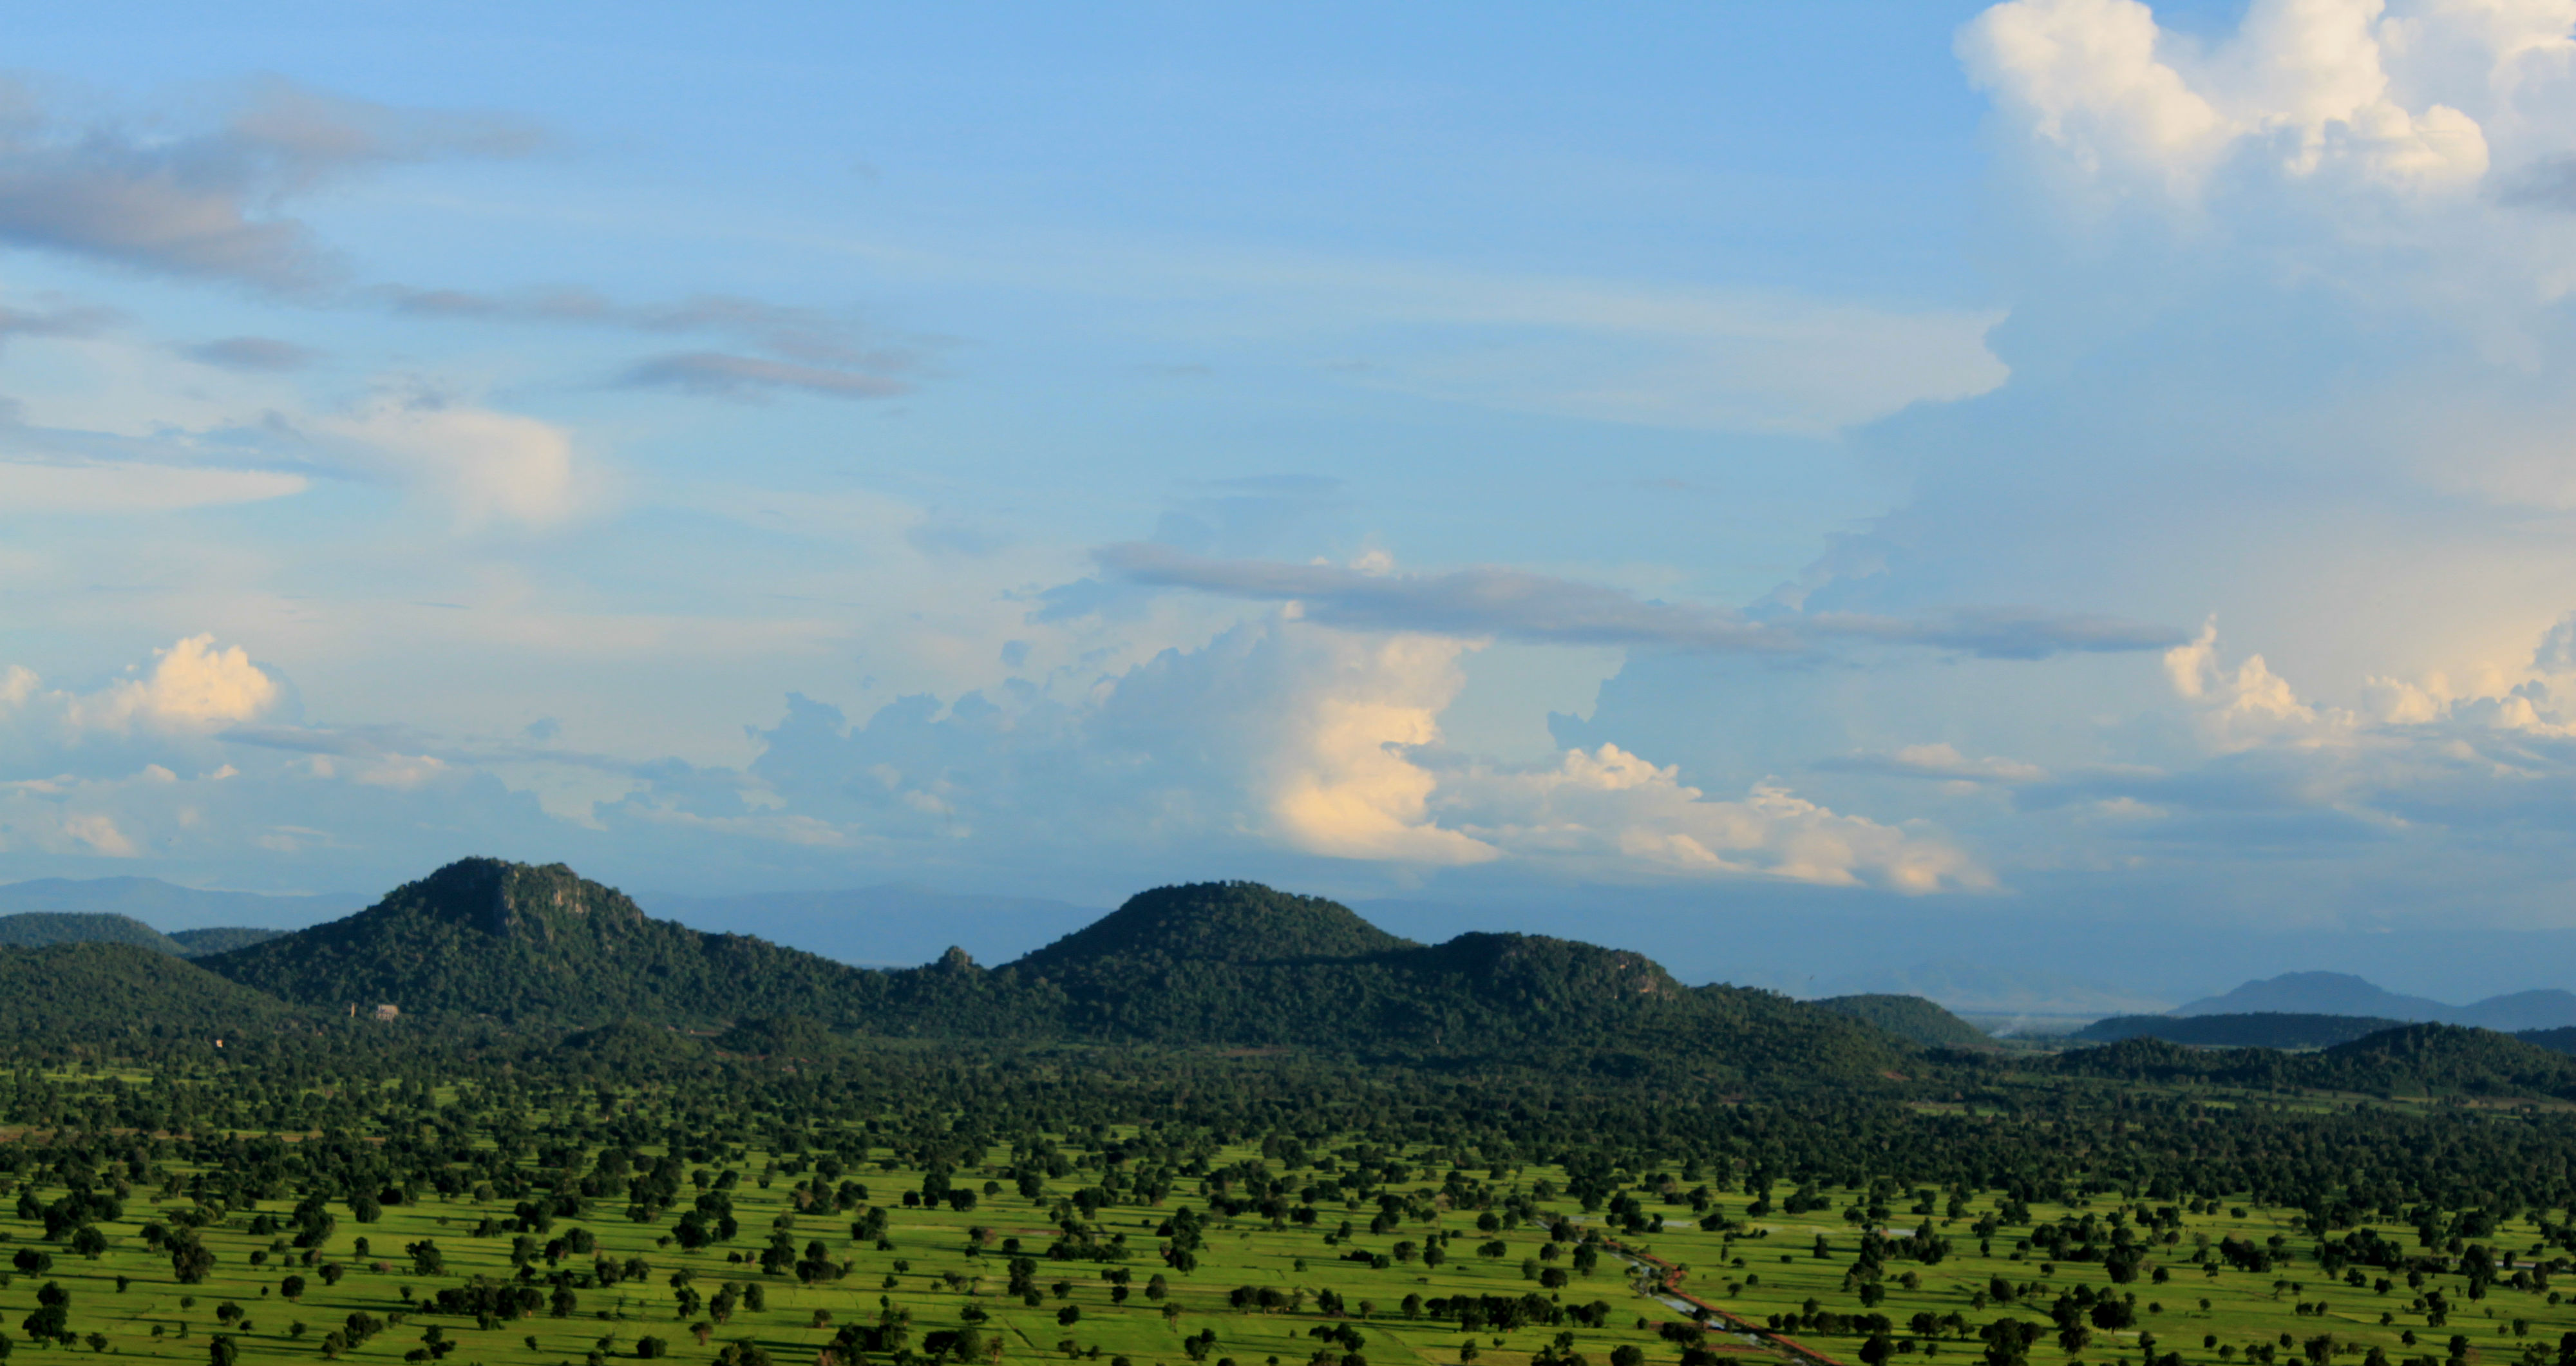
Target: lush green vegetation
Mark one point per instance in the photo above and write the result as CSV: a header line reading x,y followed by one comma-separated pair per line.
x,y
2555,1040
2409,1061
1218,963
96,992
366,1193
1912,1018
220,939
1222,1125
41,929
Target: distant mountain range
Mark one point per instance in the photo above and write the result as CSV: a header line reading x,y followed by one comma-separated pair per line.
x,y
2336,993
483,949
38,929
174,907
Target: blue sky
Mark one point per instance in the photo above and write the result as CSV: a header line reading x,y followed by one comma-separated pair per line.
x,y
2063,457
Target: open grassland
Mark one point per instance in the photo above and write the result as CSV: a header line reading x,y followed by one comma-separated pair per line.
x,y
1290,1257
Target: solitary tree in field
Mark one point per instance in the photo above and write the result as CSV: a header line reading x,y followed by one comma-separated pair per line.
x,y
191,1261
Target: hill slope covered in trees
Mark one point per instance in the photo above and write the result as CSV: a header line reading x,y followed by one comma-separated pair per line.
x,y
39,929
82,992
1208,964
1910,1017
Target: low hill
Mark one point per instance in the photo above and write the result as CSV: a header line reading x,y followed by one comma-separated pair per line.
x,y
2415,1061
90,991
2443,1060
2262,1029
2520,1011
220,939
2318,993
2555,1040
1212,922
38,929
1910,1017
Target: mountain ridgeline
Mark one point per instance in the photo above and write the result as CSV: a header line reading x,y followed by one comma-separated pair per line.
x,y
1225,964
2342,994
41,929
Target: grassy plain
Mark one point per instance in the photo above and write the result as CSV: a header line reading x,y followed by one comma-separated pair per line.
x,y
1763,1266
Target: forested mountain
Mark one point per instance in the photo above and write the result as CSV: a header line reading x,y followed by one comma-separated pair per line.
x,y
1910,1017
526,943
1211,964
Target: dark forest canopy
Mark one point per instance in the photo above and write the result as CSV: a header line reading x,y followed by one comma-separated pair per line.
x,y
1213,963
1910,1017
2258,1029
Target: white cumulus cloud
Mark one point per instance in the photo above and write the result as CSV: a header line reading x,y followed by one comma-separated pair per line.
x,y
1608,812
2308,86
194,686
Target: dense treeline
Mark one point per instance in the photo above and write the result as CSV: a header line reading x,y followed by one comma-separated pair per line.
x,y
2412,1060
2260,1029
2045,1138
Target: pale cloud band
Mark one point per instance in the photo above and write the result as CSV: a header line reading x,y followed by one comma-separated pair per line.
x,y
1515,604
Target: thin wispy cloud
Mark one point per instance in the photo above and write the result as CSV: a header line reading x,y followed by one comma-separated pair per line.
x,y
255,355
212,204
67,321
804,334
1519,605
717,374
